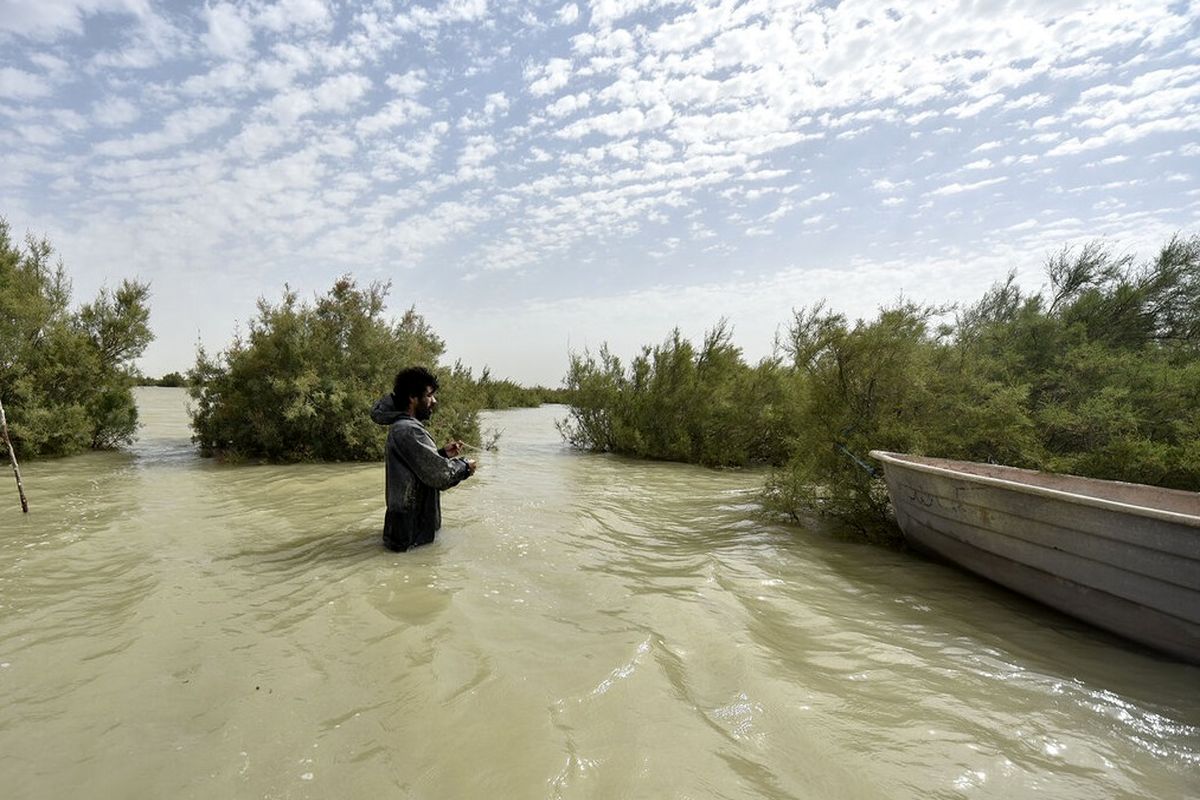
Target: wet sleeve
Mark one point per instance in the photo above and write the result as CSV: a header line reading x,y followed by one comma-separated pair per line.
x,y
421,455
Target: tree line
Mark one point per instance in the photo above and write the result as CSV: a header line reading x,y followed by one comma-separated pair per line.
x,y
171,380
295,386
1098,374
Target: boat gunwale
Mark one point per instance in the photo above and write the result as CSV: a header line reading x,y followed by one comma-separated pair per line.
x,y
900,460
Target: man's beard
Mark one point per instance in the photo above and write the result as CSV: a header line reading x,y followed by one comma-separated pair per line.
x,y
423,413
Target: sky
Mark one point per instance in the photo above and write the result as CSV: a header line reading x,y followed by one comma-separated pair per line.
x,y
542,178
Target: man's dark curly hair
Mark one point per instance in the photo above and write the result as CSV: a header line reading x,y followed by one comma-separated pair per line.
x,y
411,382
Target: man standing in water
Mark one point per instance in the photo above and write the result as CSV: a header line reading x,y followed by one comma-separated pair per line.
x,y
416,470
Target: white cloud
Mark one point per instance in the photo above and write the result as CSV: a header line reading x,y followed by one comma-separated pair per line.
x,y
229,33
52,65
568,14
958,188
403,156
228,77
395,114
17,84
656,150
235,78
409,84
617,124
967,110
477,150
548,77
52,18
817,198
150,42
114,112
1126,133
294,13
606,12
917,119
178,128
1028,224
1029,101
421,18
339,93
69,120
885,185
569,104
256,139
40,135
1010,160
333,95
495,103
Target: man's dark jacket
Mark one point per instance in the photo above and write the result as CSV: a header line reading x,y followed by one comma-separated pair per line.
x,y
416,471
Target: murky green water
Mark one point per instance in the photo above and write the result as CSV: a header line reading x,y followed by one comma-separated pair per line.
x,y
584,627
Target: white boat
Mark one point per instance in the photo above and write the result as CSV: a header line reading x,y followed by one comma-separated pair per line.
x,y
1122,556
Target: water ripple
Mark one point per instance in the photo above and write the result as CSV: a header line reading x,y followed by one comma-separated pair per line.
x,y
583,626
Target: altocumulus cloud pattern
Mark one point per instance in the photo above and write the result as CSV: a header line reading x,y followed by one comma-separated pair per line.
x,y
598,171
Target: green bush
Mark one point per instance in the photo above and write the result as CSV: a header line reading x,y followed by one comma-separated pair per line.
x,y
1101,378
1098,376
66,376
678,402
299,386
855,387
504,393
172,380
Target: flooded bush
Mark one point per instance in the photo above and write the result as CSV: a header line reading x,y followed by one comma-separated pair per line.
x,y
66,374
856,387
299,384
1098,375
678,402
1111,356
172,380
504,393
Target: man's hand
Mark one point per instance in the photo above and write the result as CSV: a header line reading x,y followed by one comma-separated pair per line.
x,y
454,448
471,466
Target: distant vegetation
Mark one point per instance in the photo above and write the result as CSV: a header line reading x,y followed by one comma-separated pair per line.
x,y
172,380
298,386
496,394
66,374
1098,375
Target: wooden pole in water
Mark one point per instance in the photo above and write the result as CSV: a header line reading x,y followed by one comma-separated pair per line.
x,y
12,457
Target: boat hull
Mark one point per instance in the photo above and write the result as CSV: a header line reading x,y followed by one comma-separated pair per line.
x,y
1084,547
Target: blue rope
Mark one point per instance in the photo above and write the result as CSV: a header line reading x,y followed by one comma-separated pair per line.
x,y
846,431
870,470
